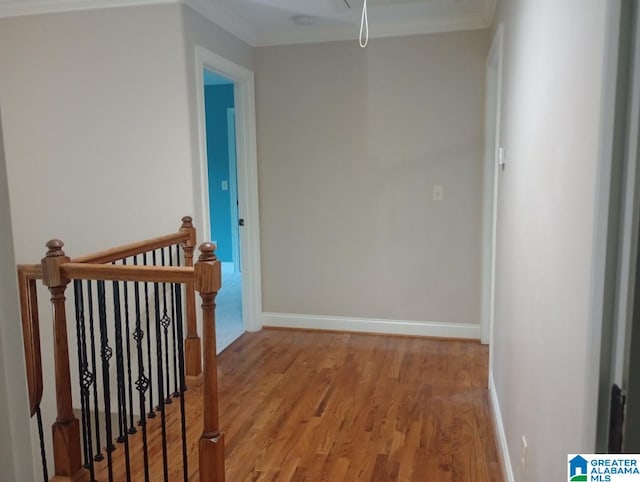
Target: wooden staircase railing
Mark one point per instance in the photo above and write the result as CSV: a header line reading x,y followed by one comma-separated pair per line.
x,y
197,364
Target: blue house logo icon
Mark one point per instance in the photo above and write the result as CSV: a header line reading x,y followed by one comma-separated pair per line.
x,y
578,469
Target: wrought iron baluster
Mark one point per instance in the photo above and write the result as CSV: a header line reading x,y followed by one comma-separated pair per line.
x,y
176,375
166,322
142,383
106,352
43,452
94,368
78,310
122,395
181,372
151,413
132,428
122,425
85,378
156,300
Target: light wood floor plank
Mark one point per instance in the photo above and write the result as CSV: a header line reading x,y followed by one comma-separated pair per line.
x,y
313,406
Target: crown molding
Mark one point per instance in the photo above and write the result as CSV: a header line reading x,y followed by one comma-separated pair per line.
x,y
17,8
235,25
452,23
224,19
230,22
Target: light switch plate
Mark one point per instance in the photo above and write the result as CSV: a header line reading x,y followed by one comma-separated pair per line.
x,y
438,193
502,157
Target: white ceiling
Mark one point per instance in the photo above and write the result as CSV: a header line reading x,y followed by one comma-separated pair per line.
x,y
269,22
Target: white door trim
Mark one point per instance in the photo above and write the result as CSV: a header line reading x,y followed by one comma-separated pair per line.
x,y
233,189
491,181
630,222
492,186
605,250
617,220
247,164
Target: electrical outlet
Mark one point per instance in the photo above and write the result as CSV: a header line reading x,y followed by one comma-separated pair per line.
x,y
523,458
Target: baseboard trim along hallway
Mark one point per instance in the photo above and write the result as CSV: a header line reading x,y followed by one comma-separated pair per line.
x,y
501,436
366,325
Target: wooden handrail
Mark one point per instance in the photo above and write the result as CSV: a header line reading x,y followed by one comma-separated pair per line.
x,y
151,274
31,337
34,271
30,271
133,249
56,270
92,264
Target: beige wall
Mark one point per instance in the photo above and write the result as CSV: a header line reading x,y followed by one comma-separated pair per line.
x,y
350,144
99,113
96,126
15,443
544,369
94,109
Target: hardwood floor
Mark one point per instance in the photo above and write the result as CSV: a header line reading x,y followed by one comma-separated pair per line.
x,y
311,406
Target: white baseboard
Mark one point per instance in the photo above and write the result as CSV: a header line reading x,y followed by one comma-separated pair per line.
x,y
501,436
393,327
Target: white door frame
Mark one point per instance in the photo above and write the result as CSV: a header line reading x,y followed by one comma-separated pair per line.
x,y
618,218
491,185
247,163
233,189
630,222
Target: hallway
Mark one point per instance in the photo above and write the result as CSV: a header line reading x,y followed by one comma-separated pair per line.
x,y
229,310
312,406
298,405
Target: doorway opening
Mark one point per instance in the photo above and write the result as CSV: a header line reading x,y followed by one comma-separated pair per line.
x,y
246,180
220,131
617,300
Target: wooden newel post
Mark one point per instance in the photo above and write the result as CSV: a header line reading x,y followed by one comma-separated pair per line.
x,y
192,344
66,429
207,283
